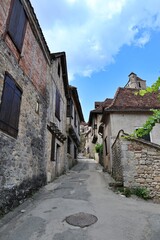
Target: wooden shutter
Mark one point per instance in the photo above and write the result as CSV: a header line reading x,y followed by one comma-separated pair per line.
x,y
69,108
17,24
53,148
75,118
10,107
57,111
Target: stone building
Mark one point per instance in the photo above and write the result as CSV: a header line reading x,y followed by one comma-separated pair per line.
x,y
128,111
74,118
33,101
136,164
94,123
56,119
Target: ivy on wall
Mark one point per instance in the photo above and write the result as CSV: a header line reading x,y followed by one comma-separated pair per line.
x,y
152,120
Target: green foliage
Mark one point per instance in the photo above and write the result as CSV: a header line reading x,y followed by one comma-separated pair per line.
x,y
140,192
155,118
154,88
127,192
99,148
148,125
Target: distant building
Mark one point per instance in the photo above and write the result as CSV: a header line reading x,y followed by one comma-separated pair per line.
x,y
74,119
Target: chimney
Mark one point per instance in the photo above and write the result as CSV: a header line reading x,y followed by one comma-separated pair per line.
x,y
135,82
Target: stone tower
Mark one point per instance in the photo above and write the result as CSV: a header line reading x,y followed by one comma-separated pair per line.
x,y
135,82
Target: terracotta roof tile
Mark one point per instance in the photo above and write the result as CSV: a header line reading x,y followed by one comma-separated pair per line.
x,y
126,99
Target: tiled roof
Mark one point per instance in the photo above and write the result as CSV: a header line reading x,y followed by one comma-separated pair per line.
x,y
99,109
102,105
107,102
126,100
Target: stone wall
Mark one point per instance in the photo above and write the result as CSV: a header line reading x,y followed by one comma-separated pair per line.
x,y
22,159
22,165
136,163
25,161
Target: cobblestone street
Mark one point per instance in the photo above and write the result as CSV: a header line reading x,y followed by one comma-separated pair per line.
x,y
79,205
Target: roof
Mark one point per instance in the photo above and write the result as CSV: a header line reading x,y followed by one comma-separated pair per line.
x,y
99,107
62,56
126,100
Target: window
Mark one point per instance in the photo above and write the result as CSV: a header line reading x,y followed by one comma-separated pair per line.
x,y
75,118
53,148
10,106
57,152
106,146
69,107
146,137
78,128
17,24
95,126
69,145
57,107
75,152
59,70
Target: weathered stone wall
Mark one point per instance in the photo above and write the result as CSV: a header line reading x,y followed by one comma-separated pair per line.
x,y
140,162
22,166
57,167
25,161
22,159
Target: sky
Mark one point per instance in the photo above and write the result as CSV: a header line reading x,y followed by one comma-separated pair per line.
x,y
104,41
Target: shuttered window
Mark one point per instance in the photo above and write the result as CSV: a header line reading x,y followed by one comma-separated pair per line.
x,y
53,148
69,145
69,107
75,118
10,107
57,107
17,24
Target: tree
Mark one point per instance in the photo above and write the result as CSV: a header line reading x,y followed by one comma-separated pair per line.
x,y
152,120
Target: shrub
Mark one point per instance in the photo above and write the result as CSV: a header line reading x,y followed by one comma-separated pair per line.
x,y
99,148
141,192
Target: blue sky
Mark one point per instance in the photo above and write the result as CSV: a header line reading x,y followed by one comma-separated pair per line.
x,y
104,40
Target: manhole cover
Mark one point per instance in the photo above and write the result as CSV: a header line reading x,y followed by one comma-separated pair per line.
x,y
81,219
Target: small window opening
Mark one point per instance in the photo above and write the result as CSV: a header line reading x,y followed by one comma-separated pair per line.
x,y
59,70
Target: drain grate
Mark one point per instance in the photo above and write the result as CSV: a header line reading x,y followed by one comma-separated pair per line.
x,y
81,219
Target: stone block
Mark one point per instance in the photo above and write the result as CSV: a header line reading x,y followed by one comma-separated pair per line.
x,y
157,179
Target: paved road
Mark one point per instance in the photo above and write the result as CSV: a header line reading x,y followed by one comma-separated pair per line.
x,y
84,189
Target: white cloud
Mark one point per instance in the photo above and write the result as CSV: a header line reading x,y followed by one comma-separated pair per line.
x,y
91,32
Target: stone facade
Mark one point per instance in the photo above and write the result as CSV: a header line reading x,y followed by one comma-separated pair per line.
x,y
22,165
74,118
37,153
136,163
58,165
128,111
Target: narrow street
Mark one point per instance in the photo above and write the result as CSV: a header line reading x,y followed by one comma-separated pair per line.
x,y
84,190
